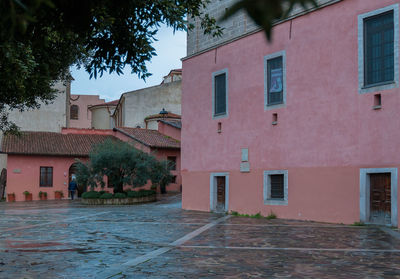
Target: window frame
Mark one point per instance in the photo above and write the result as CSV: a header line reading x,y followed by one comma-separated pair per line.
x,y
267,58
362,86
267,188
77,112
40,176
215,74
172,163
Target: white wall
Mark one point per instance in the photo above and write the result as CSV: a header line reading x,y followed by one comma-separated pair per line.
x,y
49,118
148,101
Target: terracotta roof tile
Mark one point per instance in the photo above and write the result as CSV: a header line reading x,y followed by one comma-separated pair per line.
x,y
167,115
51,144
151,138
173,123
112,103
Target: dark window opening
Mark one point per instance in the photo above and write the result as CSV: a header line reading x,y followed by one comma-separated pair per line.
x,y
274,118
220,94
377,101
46,176
74,112
379,49
277,186
172,162
109,184
173,179
275,80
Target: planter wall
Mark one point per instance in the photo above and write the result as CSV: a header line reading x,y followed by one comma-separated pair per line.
x,y
119,201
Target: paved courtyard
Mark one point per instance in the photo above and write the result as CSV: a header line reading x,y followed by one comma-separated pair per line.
x,y
160,240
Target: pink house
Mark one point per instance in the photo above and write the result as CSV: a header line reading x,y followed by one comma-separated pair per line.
x,y
305,126
79,114
45,161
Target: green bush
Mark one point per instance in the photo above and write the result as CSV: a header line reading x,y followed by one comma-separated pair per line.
x,y
91,195
140,193
106,196
102,192
119,195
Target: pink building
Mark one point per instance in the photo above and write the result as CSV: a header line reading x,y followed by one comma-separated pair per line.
x,y
79,114
305,126
45,161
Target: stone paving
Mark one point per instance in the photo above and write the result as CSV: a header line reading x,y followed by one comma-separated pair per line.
x,y
64,239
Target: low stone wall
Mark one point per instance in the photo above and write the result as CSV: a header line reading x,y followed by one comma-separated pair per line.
x,y
119,201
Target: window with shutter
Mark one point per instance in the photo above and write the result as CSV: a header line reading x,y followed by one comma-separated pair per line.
x,y
379,49
74,112
275,81
220,93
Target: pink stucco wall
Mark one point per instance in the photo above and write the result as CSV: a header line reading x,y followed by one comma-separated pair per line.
x,y
85,115
162,154
326,132
168,130
23,174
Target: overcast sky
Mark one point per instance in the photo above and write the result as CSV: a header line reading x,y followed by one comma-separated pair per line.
x,y
170,48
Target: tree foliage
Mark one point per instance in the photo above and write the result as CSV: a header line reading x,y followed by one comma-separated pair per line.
x,y
41,39
122,165
266,12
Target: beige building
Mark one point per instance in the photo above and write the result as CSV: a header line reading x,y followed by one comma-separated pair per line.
x,y
102,115
133,107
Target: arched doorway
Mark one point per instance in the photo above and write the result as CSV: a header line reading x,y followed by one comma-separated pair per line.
x,y
3,183
72,173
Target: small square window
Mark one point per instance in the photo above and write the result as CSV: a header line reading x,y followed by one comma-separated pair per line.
x,y
276,187
46,177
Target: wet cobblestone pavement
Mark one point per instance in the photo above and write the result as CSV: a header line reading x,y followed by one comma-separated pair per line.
x,y
159,240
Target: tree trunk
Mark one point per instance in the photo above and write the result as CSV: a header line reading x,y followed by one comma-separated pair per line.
x,y
119,188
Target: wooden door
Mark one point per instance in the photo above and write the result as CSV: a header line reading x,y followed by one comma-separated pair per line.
x,y
220,193
380,198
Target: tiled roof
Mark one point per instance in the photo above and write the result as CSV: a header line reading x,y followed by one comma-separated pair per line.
x,y
167,115
112,103
173,123
151,138
51,144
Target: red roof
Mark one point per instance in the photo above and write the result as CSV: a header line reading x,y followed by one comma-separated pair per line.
x,y
151,138
51,144
167,115
112,103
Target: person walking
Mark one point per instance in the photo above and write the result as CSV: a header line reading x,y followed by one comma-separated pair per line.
x,y
72,187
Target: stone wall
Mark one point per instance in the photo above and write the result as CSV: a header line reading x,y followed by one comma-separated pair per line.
x,y
148,101
238,25
48,118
